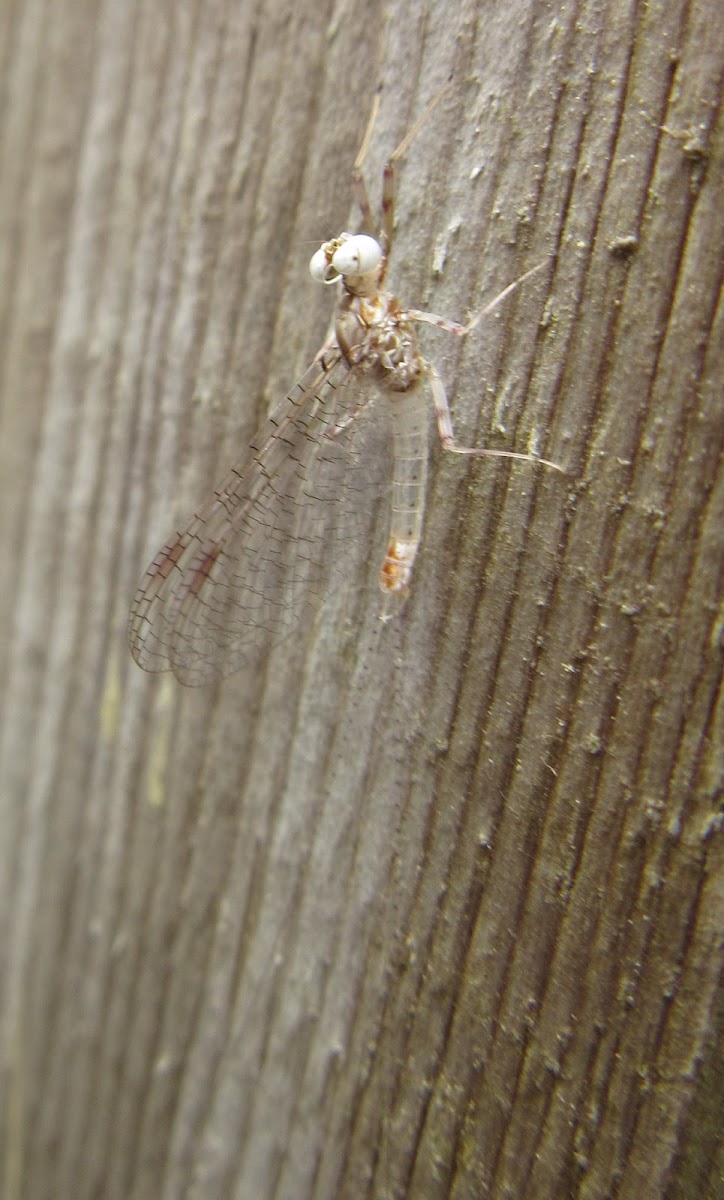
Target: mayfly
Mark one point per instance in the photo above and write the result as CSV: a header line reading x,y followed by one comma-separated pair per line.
x,y
274,533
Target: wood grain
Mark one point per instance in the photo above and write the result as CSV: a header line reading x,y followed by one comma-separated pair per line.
x,y
423,910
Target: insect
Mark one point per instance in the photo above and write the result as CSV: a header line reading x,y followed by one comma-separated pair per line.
x,y
278,531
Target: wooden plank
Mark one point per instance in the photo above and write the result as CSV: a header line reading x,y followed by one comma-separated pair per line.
x,y
426,909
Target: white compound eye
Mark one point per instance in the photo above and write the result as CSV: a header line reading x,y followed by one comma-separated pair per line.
x,y
319,266
357,255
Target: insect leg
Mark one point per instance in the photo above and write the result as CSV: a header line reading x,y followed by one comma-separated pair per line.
x,y
447,432
457,327
389,186
358,184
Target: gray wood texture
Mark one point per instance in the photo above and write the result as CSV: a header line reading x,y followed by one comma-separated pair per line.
x,y
423,910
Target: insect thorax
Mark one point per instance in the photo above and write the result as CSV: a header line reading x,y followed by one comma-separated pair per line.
x,y
374,335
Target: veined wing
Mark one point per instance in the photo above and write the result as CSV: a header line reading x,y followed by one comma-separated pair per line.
x,y
268,541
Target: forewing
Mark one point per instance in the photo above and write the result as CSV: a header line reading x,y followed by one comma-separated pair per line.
x,y
275,536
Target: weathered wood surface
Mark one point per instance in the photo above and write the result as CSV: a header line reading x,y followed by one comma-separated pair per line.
x,y
426,910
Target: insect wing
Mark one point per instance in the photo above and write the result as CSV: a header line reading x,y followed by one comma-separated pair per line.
x,y
269,541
